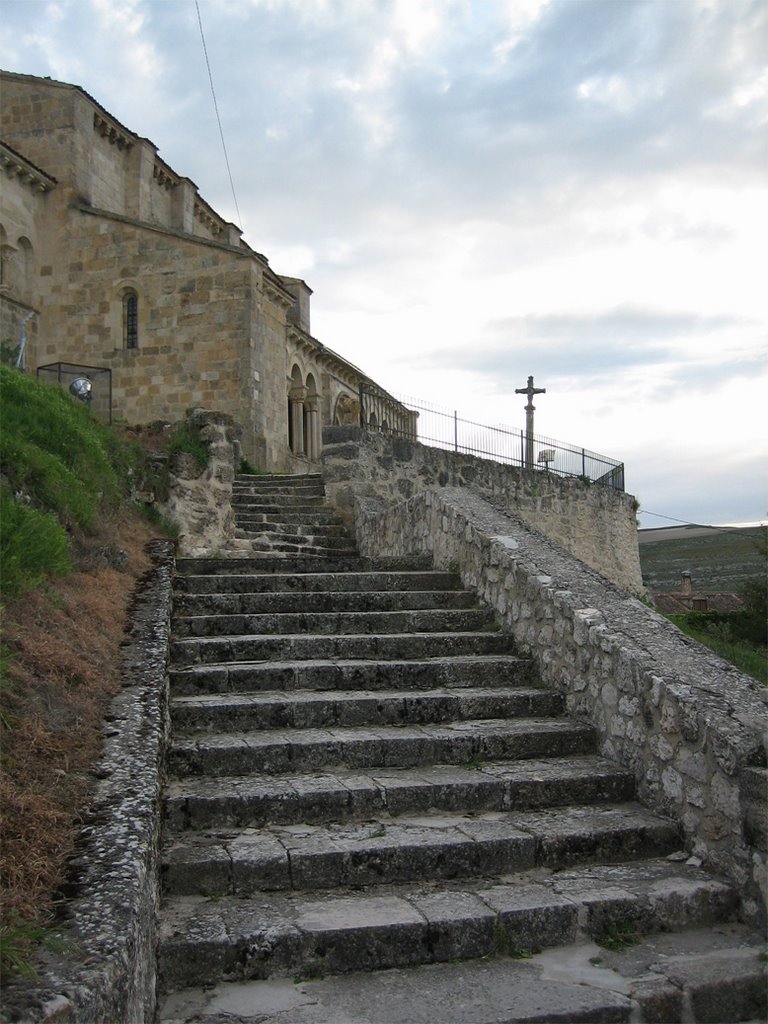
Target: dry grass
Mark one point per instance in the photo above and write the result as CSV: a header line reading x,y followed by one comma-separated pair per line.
x,y
62,669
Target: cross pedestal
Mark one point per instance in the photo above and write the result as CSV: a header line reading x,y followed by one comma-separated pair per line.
x,y
530,408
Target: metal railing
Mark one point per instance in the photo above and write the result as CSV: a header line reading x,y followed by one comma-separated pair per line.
x,y
420,421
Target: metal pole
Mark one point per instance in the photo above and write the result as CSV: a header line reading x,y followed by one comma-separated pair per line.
x,y
455,430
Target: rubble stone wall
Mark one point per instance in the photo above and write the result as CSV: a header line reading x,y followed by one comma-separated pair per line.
x,y
691,727
595,523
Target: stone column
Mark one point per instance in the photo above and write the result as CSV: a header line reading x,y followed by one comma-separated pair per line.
x,y
298,397
314,428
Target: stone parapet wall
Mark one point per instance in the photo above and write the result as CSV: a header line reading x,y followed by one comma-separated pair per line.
x,y
691,727
595,523
105,968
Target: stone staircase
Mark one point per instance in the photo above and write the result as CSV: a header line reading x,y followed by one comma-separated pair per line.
x,y
376,814
284,516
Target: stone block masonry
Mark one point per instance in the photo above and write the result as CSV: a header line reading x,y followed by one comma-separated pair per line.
x,y
690,727
595,523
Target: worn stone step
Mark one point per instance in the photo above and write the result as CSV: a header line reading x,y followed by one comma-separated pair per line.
x,y
320,517
422,620
715,975
374,646
282,750
304,547
328,536
268,478
218,574
320,601
351,794
309,709
293,502
430,846
205,941
354,674
258,524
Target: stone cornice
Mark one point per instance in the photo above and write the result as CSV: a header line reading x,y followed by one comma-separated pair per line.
x,y
163,176
111,130
17,166
243,251
274,290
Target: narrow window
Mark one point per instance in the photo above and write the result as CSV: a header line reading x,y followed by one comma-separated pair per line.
x,y
131,320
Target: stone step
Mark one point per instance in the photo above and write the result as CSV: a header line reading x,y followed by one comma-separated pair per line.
x,y
279,751
351,794
320,517
277,483
294,502
205,941
284,538
320,601
307,546
700,975
308,709
363,572
355,674
424,620
267,479
284,525
305,857
373,646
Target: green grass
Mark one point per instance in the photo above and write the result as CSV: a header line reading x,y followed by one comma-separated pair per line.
x,y
619,936
33,546
60,469
185,438
748,659
19,942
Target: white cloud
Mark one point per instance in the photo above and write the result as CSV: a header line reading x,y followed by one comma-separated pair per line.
x,y
480,191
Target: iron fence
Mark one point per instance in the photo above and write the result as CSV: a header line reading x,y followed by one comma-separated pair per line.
x,y
440,428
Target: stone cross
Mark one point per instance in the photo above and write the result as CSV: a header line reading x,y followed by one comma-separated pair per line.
x,y
530,408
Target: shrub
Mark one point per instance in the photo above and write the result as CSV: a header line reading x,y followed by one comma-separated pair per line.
x,y
33,545
45,417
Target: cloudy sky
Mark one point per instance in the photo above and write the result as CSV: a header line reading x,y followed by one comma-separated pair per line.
x,y
479,190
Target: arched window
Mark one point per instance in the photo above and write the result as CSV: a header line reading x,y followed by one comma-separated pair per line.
x,y
130,319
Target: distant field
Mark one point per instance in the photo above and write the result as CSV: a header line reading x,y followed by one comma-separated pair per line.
x,y
716,559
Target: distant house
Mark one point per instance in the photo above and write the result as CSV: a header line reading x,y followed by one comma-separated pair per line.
x,y
689,600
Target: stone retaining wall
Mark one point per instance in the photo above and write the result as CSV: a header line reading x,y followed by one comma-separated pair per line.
x,y
691,727
200,499
106,971
593,522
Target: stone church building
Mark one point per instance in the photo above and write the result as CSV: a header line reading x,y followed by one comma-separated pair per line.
x,y
113,260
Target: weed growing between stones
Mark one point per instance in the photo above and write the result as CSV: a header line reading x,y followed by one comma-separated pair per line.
x,y
619,936
18,941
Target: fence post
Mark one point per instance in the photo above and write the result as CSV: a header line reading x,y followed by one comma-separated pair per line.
x,y
583,464
362,414
455,430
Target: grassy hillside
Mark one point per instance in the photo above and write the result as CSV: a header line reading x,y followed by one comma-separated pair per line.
x,y
718,560
72,546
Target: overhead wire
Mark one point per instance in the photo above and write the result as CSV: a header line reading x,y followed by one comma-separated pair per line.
x,y
218,117
684,522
